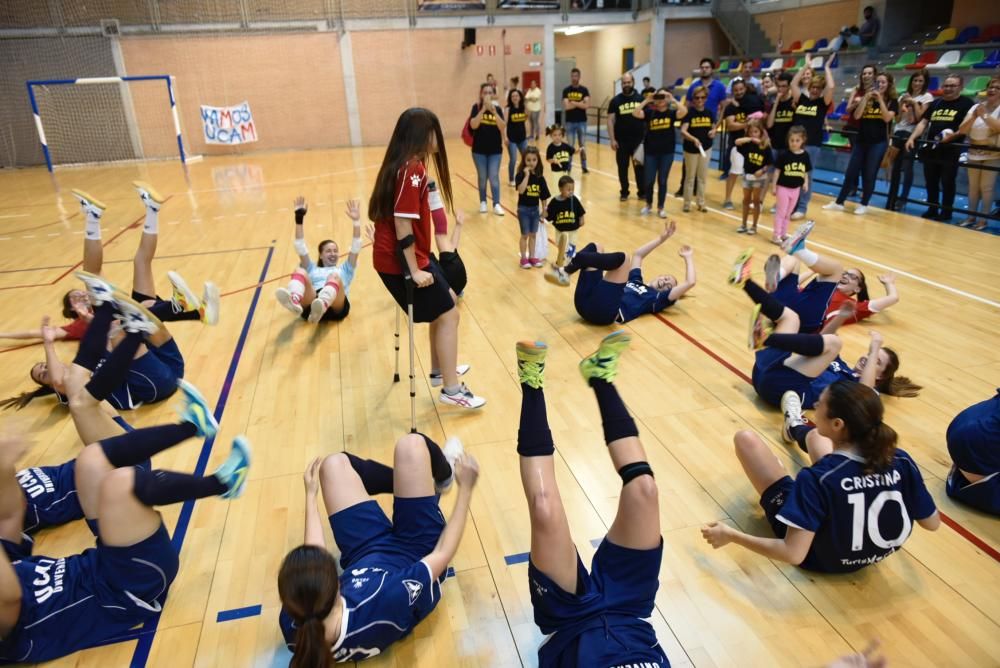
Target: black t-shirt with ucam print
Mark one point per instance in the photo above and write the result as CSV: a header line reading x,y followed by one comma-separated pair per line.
x,y
516,118
699,124
792,169
810,113
661,136
576,94
873,128
944,115
562,154
628,129
784,117
536,190
486,139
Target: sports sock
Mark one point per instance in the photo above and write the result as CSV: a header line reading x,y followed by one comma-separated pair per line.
x,y
329,292
94,344
810,345
92,227
453,389
297,286
595,260
376,476
440,468
152,224
808,257
165,312
111,375
534,438
799,433
614,416
769,305
161,488
135,447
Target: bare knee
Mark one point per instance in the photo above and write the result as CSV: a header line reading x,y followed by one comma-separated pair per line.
x,y
643,490
92,461
80,398
546,511
411,449
746,443
832,344
333,467
117,485
449,318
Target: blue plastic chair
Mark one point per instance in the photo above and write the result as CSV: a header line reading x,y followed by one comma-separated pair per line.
x,y
967,34
822,44
839,112
993,60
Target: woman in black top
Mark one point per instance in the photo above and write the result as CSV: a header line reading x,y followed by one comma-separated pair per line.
x,y
698,131
517,135
811,108
661,112
875,112
487,123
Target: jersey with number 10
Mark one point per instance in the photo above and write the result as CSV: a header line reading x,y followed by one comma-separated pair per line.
x,y
859,518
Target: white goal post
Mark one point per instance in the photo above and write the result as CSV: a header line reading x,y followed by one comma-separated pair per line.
x,y
167,79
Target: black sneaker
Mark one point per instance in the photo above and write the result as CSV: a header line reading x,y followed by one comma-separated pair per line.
x,y
586,171
930,214
623,198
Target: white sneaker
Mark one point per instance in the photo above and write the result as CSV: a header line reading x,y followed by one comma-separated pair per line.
x,y
136,318
437,378
860,210
150,198
183,298
99,290
791,406
798,215
285,299
452,451
316,310
497,210
210,304
833,206
89,205
482,207
464,398
645,211
661,213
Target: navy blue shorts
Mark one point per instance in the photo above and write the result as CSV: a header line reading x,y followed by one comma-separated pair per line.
x,y
330,315
810,303
151,378
596,300
983,495
621,582
143,571
51,495
772,500
771,378
527,218
363,530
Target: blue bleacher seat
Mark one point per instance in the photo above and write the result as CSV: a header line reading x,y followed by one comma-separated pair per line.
x,y
992,60
966,34
839,112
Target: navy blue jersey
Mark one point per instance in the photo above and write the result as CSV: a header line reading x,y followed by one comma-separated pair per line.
x,y
858,518
638,298
75,602
381,607
974,437
838,370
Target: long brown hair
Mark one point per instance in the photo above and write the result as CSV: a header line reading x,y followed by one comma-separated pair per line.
x,y
860,88
531,150
21,400
308,587
861,410
410,139
927,82
892,384
890,85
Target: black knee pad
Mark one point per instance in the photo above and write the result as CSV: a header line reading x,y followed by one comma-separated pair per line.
x,y
630,472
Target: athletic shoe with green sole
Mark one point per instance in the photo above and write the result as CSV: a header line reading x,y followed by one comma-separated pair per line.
x,y
531,363
233,472
741,268
603,363
196,410
760,329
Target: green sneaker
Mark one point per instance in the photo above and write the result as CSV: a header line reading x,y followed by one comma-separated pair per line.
x,y
603,364
531,363
741,269
233,472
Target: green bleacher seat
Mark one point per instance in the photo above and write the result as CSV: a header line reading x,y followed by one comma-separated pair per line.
x,y
837,140
975,85
971,58
907,58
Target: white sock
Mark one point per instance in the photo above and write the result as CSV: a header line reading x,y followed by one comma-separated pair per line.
x,y
807,256
328,293
152,225
92,229
297,288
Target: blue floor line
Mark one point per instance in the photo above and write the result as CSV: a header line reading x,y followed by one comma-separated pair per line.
x,y
238,613
145,644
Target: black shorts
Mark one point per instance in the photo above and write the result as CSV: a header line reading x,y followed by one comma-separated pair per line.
x,y
772,500
453,269
597,301
139,297
330,315
428,303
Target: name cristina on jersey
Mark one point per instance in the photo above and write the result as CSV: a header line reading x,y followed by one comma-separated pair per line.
x,y
888,479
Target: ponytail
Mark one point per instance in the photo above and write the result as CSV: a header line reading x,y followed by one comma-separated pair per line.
x,y
892,384
861,411
555,128
309,587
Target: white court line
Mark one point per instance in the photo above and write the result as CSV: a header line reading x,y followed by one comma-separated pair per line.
x,y
860,258
15,215
265,184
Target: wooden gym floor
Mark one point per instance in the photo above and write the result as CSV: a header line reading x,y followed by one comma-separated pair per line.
x,y
300,391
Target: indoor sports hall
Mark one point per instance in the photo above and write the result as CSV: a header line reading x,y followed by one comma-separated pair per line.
x,y
226,112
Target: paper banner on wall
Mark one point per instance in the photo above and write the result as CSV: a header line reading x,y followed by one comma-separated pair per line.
x,y
228,125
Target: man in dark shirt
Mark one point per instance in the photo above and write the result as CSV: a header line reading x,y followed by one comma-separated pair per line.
x,y
576,99
626,133
736,113
647,87
941,120
869,29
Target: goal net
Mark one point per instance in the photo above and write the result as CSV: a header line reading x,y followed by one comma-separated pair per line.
x,y
106,119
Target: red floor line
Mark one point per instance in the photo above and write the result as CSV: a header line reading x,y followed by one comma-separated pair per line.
x,y
254,286
23,345
955,526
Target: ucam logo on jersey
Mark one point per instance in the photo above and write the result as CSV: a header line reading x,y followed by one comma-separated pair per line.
x,y
413,589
